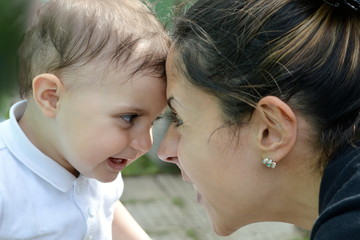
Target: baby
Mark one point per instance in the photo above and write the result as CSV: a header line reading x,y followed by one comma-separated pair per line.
x,y
92,76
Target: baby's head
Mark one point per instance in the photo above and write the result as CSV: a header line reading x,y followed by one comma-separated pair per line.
x,y
68,34
93,72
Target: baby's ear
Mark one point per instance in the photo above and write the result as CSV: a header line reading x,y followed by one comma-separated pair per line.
x,y
47,89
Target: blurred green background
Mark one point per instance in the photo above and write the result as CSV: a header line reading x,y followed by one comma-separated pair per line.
x,y
14,17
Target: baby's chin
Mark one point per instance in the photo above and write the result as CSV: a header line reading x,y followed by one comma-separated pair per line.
x,y
108,176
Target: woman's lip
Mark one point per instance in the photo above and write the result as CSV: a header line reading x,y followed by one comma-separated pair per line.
x,y
117,163
184,176
198,197
185,179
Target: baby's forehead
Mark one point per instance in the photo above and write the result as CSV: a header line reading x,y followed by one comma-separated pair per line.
x,y
103,71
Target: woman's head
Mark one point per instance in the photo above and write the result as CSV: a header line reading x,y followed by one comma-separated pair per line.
x,y
306,53
251,79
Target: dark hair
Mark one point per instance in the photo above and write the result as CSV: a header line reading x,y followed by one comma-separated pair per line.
x,y
305,52
67,34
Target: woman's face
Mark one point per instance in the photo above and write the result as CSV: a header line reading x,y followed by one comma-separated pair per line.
x,y
220,161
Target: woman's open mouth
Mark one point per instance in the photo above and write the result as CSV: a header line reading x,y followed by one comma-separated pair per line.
x,y
117,163
198,195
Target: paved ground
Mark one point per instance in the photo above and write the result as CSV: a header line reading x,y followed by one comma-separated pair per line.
x,y
165,207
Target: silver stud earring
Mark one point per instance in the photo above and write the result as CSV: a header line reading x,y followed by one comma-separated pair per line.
x,y
269,162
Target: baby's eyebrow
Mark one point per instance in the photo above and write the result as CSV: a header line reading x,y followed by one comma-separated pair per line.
x,y
132,109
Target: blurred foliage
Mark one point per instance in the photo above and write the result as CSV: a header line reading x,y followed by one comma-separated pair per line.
x,y
146,166
13,14
167,9
164,9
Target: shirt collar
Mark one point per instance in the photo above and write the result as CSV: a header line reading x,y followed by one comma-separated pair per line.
x,y
22,148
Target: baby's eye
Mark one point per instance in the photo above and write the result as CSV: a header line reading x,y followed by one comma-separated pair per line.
x,y
129,117
173,117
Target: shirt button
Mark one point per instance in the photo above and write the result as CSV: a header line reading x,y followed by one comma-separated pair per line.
x,y
79,189
91,211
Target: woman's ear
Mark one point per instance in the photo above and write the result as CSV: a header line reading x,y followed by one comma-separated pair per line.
x,y
276,128
47,89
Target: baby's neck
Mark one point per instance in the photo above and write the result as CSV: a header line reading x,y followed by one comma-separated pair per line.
x,y
33,127
38,130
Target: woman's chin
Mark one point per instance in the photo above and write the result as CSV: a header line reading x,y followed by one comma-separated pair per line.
x,y
221,230
219,225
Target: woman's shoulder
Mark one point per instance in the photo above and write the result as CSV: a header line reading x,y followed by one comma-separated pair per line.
x,y
339,175
339,203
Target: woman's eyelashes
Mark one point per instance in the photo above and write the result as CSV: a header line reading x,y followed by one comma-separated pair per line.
x,y
173,117
156,119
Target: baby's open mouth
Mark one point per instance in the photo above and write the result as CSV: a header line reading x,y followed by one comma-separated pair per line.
x,y
117,163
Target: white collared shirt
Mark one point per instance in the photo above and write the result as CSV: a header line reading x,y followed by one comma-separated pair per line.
x,y
39,199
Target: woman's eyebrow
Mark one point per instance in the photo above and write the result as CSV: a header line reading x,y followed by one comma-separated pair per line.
x,y
169,102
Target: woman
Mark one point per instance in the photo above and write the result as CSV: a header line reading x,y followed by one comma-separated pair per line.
x,y
264,96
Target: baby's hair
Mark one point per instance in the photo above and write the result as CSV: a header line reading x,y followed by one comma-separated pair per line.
x,y
306,52
67,34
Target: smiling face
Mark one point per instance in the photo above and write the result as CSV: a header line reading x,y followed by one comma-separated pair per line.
x,y
220,161
105,125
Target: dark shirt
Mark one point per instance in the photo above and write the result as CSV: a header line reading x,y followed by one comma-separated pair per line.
x,y
339,203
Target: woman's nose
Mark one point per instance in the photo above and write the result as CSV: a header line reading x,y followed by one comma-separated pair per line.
x,y
168,146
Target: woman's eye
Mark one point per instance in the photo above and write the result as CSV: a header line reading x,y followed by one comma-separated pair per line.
x,y
129,117
173,117
156,119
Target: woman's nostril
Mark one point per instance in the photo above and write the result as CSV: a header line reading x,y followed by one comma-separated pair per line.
x,y
167,158
171,159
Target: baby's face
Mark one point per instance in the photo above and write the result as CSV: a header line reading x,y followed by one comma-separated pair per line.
x,y
106,124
